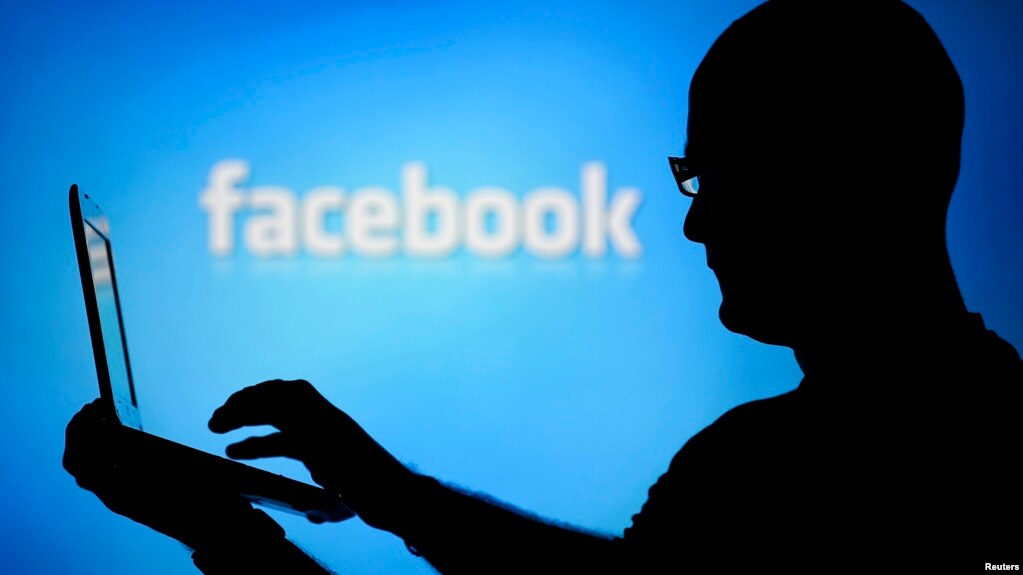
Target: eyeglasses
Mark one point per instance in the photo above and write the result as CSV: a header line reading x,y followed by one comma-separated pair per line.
x,y
686,176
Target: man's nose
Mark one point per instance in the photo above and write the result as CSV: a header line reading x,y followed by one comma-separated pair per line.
x,y
695,226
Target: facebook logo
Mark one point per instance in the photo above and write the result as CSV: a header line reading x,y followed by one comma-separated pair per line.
x,y
422,222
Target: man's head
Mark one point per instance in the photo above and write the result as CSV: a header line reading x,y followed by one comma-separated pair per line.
x,y
829,136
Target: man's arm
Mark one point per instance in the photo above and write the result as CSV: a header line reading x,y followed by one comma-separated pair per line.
x,y
460,532
456,531
228,536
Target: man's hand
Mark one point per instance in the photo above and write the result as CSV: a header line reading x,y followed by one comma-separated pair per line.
x,y
339,454
455,531
163,495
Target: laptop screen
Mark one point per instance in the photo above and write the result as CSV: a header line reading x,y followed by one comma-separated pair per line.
x,y
111,325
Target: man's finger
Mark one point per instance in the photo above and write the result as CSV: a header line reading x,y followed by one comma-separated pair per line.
x,y
276,402
273,445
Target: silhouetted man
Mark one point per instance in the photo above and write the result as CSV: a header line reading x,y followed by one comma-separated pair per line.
x,y
823,148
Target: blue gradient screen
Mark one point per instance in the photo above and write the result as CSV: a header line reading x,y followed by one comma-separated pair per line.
x,y
454,218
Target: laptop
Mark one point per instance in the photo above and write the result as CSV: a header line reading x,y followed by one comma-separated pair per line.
x,y
117,388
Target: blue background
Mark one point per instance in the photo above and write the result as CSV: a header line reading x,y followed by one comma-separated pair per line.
x,y
562,387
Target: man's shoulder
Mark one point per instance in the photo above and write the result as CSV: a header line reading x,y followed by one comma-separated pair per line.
x,y
745,433
754,415
732,467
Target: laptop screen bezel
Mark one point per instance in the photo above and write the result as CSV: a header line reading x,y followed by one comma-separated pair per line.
x,y
85,212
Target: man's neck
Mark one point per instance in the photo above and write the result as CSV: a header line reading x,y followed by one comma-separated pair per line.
x,y
881,339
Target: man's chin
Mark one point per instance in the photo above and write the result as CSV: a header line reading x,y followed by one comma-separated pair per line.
x,y
756,323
